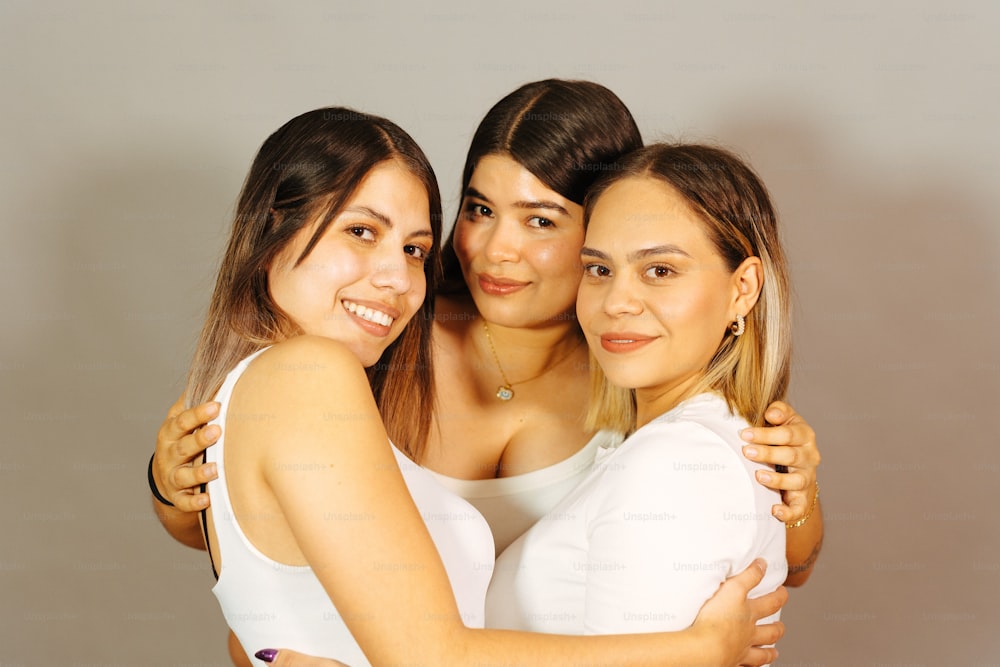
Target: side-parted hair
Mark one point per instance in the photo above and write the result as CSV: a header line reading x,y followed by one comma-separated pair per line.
x,y
308,169
566,133
752,370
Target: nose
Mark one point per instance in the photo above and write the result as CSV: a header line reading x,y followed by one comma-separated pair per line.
x,y
502,243
392,271
619,297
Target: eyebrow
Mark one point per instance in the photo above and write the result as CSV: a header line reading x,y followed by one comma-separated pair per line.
x,y
544,204
385,220
371,213
635,255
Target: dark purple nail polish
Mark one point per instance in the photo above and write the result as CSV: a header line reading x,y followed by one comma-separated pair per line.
x,y
266,654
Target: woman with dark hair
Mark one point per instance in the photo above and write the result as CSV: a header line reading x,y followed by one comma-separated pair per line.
x,y
322,533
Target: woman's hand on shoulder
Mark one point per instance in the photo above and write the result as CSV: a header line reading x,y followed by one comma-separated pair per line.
x,y
791,442
182,438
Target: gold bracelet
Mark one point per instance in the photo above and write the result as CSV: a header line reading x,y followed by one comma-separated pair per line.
x,y
812,508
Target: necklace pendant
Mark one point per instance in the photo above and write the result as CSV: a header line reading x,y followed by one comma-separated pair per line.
x,y
504,392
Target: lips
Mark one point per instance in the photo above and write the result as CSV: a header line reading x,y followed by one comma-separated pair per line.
x,y
619,342
499,286
377,318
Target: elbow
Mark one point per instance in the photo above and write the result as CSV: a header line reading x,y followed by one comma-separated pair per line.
x,y
797,578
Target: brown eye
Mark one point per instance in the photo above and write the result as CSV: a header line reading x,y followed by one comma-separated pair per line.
x,y
540,223
361,232
596,271
473,211
416,252
659,271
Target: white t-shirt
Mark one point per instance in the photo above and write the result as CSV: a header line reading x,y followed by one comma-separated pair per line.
x,y
648,536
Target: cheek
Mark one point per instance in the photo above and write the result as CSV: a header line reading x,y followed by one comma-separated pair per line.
x,y
466,243
282,288
588,304
559,259
332,272
701,317
418,289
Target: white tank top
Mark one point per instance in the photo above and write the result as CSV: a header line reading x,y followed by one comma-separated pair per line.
x,y
512,505
272,605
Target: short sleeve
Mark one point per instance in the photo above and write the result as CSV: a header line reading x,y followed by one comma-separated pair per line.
x,y
674,517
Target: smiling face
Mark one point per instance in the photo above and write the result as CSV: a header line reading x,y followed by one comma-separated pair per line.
x,y
656,297
518,243
364,279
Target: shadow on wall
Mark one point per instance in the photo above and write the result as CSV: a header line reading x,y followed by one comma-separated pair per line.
x,y
122,255
897,281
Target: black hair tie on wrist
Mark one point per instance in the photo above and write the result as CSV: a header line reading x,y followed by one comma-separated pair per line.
x,y
152,484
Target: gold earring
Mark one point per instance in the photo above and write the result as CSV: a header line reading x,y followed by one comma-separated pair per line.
x,y
739,326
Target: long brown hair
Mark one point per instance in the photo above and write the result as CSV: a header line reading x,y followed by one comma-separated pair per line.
x,y
751,370
310,167
566,133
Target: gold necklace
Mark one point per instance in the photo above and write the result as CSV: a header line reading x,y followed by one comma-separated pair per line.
x,y
505,392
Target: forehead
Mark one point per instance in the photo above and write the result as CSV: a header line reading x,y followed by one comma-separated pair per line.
x,y
502,172
639,210
393,189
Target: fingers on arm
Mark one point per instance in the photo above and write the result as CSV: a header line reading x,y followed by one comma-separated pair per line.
x,y
794,480
794,436
756,657
177,445
792,445
185,489
768,633
768,604
185,423
751,576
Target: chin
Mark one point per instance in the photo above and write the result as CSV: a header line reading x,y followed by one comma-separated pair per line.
x,y
620,375
370,359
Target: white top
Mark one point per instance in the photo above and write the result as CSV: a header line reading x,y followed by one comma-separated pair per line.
x,y
272,605
513,504
648,536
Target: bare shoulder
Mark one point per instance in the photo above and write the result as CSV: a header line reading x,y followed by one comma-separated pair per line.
x,y
306,369
308,353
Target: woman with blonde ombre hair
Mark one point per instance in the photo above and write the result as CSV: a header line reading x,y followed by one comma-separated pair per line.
x,y
751,369
685,306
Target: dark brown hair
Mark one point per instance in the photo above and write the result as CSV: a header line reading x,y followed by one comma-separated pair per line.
x,y
309,167
750,370
566,133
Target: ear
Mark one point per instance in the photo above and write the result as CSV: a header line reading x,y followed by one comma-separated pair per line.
x,y
748,279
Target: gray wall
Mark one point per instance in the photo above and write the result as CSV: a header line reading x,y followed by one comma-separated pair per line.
x,y
127,129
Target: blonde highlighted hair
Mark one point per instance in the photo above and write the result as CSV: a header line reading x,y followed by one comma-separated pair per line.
x,y
752,370
308,168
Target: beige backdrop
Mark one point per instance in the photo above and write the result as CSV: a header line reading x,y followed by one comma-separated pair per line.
x,y
127,129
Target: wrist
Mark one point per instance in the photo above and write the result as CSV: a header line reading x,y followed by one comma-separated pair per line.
x,y
711,644
152,484
809,512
